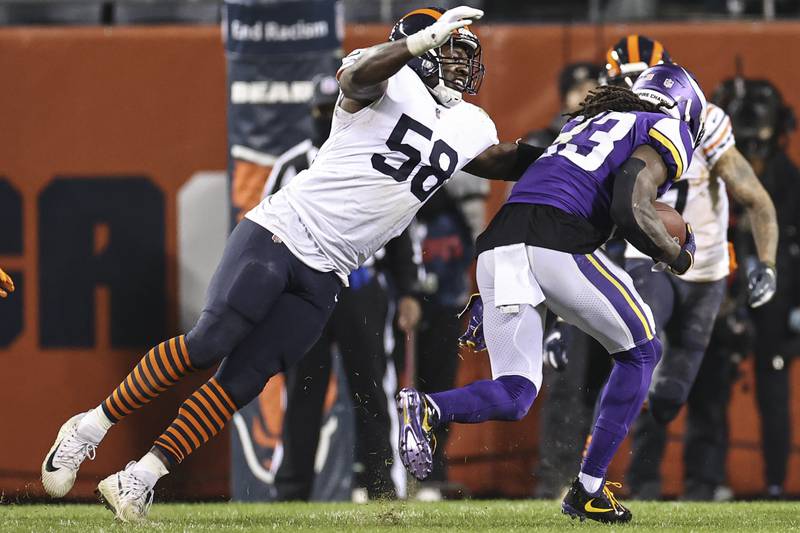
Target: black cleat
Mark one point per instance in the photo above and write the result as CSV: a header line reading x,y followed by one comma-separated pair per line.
x,y
601,506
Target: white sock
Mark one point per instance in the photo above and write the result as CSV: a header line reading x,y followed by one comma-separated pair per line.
x,y
94,425
590,483
149,469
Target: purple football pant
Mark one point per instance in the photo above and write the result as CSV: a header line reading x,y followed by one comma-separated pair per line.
x,y
504,398
620,403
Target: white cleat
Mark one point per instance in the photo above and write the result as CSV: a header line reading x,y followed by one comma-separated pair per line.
x,y
62,462
127,496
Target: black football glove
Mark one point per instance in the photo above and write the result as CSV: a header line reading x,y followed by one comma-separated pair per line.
x,y
761,284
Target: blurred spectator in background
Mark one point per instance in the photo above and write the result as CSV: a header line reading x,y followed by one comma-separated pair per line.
x,y
357,327
761,122
574,83
630,9
446,226
566,416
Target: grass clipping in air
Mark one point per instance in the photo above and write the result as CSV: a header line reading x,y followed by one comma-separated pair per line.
x,y
398,516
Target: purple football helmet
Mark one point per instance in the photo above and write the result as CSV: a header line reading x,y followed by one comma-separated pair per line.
x,y
676,93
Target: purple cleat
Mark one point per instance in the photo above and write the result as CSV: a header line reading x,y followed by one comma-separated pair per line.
x,y
417,442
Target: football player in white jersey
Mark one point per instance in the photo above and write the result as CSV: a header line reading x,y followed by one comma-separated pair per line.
x,y
686,307
399,131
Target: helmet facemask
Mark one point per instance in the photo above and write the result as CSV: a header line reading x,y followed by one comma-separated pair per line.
x,y
449,92
473,62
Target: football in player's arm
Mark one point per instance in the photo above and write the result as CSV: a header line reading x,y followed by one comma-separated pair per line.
x,y
6,284
635,189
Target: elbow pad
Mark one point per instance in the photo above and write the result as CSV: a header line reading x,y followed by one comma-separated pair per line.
x,y
622,208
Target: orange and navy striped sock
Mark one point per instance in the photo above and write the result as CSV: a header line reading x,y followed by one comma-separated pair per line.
x,y
201,416
162,367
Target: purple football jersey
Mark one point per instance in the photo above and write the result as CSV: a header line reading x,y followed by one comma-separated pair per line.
x,y
576,173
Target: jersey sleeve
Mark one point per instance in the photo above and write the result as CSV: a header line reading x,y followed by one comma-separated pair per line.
x,y
489,127
349,59
671,139
719,135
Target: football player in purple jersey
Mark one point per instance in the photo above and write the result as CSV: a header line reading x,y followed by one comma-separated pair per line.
x,y
621,150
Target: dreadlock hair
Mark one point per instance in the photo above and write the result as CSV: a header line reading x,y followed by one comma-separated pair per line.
x,y
612,98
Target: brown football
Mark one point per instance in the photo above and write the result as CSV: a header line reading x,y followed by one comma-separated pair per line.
x,y
672,220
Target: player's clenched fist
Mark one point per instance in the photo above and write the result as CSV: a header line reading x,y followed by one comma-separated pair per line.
x,y
437,33
6,284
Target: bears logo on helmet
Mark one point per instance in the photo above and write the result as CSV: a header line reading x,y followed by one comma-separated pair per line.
x,y
629,57
429,65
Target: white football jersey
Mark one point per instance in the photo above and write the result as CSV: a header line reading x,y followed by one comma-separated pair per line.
x,y
703,201
372,175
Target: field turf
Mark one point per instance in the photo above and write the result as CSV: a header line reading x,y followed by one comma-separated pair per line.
x,y
457,517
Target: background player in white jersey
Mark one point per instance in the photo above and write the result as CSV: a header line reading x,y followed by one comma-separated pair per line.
x,y
400,130
686,307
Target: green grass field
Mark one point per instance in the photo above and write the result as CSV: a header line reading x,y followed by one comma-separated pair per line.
x,y
451,516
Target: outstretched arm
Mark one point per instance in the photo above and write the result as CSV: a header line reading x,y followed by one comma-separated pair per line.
x,y
636,185
504,161
746,189
363,80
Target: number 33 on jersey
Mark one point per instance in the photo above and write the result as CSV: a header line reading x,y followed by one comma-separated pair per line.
x,y
576,173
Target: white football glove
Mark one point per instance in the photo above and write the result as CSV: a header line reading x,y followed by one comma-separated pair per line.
x,y
437,33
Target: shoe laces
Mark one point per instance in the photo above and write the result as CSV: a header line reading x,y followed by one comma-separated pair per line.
x,y
134,491
610,495
73,451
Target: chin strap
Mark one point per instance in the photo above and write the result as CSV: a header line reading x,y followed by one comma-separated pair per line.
x,y
442,93
445,95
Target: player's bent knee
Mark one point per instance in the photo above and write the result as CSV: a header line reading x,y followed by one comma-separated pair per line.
x,y
209,341
520,411
522,393
244,380
656,349
664,411
666,400
647,354
651,352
